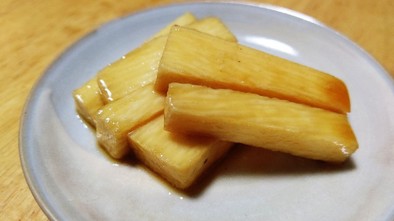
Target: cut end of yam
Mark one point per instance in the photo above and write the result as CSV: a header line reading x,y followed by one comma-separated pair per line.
x,y
116,119
88,100
178,158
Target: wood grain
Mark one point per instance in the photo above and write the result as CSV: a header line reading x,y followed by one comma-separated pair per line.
x,y
34,33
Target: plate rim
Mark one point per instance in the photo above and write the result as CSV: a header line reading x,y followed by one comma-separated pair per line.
x,y
29,104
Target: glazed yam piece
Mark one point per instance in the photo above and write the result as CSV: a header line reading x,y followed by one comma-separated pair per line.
x,y
197,58
177,158
115,120
88,97
255,120
88,100
139,67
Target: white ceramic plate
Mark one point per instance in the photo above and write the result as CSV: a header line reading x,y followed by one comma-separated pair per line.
x,y
72,179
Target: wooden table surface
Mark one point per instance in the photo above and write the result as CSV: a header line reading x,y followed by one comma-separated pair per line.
x,y
34,33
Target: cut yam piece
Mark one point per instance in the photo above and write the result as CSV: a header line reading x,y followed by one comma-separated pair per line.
x,y
177,158
116,119
255,120
197,58
88,100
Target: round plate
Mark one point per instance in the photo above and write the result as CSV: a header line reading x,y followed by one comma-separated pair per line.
x,y
72,179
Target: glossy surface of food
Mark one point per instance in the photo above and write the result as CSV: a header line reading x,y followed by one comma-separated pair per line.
x,y
115,120
259,121
197,58
139,67
177,158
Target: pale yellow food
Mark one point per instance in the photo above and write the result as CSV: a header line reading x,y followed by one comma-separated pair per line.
x,y
88,100
135,70
180,136
194,57
177,158
115,120
112,133
259,121
139,67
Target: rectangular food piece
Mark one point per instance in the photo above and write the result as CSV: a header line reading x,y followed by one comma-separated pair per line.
x,y
255,120
197,58
139,67
88,100
116,119
177,158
